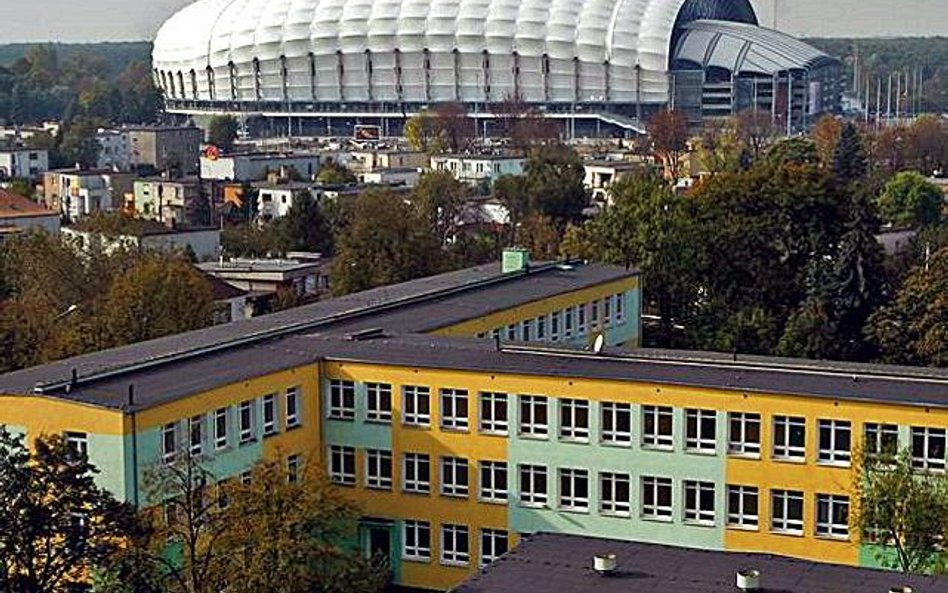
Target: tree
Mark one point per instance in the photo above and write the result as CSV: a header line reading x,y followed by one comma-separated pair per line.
x,y
793,151
554,183
910,201
719,148
79,145
222,132
305,228
849,157
512,192
539,236
900,509
421,130
333,173
455,129
55,522
755,130
826,134
439,198
668,131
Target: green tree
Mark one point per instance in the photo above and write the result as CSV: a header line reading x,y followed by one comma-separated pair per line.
x,y
513,194
909,200
719,148
794,151
305,226
849,156
439,198
79,145
55,522
825,134
222,132
333,173
422,132
554,179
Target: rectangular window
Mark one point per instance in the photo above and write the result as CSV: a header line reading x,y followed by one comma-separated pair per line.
x,y
742,506
246,477
568,322
832,516
220,428
786,511
455,547
699,502
620,307
656,498
555,326
293,468
223,493
493,481
417,538
574,420
511,332
789,437
594,314
835,441
78,443
341,400
454,476
581,319
928,448
533,485
541,327
495,334
196,435
378,469
169,441
525,333
493,545
269,414
700,428
493,413
657,427
606,311
881,440
574,490
615,491
416,473
616,427
454,409
417,404
342,465
534,421
292,407
378,405
245,422
743,434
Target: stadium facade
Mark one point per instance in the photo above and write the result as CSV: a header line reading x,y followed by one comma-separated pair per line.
x,y
607,62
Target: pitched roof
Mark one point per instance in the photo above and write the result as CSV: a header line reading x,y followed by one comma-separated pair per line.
x,y
16,206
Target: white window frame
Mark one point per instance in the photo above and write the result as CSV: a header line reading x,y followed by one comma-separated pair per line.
x,y
698,440
568,322
525,330
342,404
696,511
606,311
414,465
78,443
492,404
555,326
581,326
221,428
293,466
510,332
594,314
293,408
169,441
375,477
527,425
455,409
414,547
376,409
620,307
780,507
494,544
571,425
743,517
490,473
453,552
610,504
828,507
787,450
880,439
656,439
738,425
245,422
412,396
614,436
269,407
342,458
571,482
196,435
455,477
531,495
923,459
541,328
656,511
829,433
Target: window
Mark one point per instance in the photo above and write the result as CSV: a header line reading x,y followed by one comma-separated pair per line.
x,y
511,332
493,545
699,502
220,428
881,440
541,327
342,465
606,311
594,313
246,477
493,412
574,420
533,485
223,493
78,443
378,469
455,548
417,473
568,322
928,448
417,404
525,330
656,498
293,468
742,506
378,402
832,515
555,326
533,416
616,424
269,414
574,490
581,319
196,435
169,441
789,437
341,400
454,476
245,420
786,510
454,409
620,307
292,407
614,494
835,441
700,430
657,430
417,540
743,434
493,481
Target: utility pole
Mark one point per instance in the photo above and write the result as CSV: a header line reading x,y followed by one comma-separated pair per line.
x,y
878,101
898,95
888,108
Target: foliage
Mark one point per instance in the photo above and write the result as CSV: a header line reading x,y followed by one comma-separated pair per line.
x,y
668,132
333,173
513,194
78,144
253,240
539,236
222,132
554,184
55,522
794,151
305,228
849,157
826,134
719,148
422,132
524,126
439,199
756,132
909,200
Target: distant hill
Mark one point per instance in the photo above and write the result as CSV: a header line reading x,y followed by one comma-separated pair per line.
x,y
117,54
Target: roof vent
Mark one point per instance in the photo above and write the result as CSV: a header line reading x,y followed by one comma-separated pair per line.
x,y
901,589
366,334
604,564
748,580
515,259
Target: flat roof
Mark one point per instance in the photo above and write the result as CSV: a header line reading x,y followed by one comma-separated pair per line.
x,y
262,266
545,562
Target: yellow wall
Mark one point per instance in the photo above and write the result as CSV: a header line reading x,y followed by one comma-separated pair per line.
x,y
47,415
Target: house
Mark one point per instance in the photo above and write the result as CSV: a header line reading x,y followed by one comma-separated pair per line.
x,y
164,147
114,152
143,235
230,303
407,177
367,161
601,174
24,163
476,169
77,193
274,200
256,165
166,200
259,277
19,213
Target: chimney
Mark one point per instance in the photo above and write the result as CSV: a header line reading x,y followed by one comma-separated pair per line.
x,y
748,580
515,259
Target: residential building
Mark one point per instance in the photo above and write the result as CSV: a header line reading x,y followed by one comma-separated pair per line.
x,y
256,165
114,151
164,147
19,213
147,235
304,278
170,201
404,177
76,193
602,174
367,161
230,303
24,163
476,169
274,200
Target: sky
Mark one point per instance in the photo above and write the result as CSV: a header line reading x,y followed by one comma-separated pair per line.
x,y
113,20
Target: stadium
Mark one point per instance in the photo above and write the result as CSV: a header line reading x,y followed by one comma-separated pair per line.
x,y
598,66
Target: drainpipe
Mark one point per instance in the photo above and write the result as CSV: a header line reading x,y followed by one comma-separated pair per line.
x,y
134,423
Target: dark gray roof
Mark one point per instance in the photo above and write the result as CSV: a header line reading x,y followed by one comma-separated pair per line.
x,y
546,562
